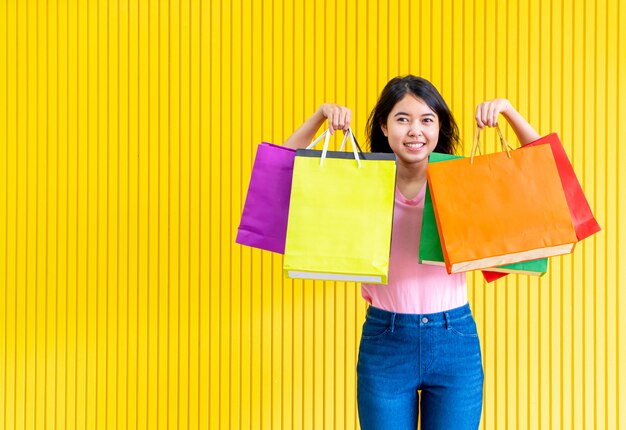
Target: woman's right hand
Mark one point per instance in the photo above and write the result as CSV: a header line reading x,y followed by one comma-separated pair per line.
x,y
339,117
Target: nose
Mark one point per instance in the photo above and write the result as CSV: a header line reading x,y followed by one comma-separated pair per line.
x,y
415,129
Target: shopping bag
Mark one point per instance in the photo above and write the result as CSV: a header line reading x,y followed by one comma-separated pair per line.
x,y
430,251
263,222
584,222
501,208
537,267
340,215
430,246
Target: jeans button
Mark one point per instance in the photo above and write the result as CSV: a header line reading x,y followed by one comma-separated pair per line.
x,y
424,320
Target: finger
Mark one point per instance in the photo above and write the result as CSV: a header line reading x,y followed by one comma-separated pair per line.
x,y
333,120
479,122
492,115
338,120
339,123
486,115
348,119
344,119
479,116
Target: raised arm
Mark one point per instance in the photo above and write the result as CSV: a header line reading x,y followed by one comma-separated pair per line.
x,y
339,118
487,115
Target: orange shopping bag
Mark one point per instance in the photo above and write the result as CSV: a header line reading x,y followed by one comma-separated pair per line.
x,y
500,208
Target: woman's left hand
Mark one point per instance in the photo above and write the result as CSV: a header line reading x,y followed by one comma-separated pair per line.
x,y
487,112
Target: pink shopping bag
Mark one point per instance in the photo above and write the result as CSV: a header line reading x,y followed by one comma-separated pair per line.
x,y
264,220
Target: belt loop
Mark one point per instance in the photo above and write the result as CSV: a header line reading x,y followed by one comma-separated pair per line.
x,y
446,317
393,321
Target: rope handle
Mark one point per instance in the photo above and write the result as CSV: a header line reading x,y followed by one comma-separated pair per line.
x,y
476,146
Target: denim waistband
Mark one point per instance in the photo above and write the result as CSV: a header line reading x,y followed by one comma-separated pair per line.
x,y
438,318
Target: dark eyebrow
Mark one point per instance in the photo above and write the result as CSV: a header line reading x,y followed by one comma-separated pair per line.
x,y
406,114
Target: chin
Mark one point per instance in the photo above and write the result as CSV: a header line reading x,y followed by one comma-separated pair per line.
x,y
422,158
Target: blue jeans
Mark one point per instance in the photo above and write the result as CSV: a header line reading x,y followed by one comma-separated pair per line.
x,y
438,354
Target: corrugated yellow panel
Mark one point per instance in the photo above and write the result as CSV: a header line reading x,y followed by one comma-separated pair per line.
x,y
4,327
614,340
620,232
128,132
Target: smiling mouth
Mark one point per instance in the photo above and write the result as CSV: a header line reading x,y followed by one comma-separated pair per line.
x,y
414,145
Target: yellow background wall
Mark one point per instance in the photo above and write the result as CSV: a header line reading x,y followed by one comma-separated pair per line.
x,y
127,135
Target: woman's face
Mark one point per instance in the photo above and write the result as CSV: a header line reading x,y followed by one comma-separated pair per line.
x,y
412,129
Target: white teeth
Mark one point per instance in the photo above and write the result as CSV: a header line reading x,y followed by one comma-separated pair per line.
x,y
414,145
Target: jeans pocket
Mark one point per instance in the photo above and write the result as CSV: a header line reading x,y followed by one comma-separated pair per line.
x,y
465,327
374,329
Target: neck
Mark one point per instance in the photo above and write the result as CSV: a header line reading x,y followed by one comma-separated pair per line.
x,y
410,179
412,173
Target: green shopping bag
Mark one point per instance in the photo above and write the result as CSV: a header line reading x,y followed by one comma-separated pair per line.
x,y
340,215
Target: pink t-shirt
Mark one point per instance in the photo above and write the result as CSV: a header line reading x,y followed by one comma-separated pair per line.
x,y
414,288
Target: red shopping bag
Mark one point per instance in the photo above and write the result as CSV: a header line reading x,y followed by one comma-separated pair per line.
x,y
584,222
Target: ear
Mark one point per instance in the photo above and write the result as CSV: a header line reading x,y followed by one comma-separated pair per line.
x,y
383,127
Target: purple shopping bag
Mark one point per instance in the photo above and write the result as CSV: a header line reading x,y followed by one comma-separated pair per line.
x,y
264,220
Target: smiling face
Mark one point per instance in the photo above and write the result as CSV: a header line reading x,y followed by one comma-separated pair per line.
x,y
412,129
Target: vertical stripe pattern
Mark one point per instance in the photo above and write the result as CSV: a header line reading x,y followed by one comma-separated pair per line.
x,y
128,130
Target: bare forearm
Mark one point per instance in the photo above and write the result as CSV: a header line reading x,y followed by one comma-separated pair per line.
x,y
487,115
523,130
303,136
339,118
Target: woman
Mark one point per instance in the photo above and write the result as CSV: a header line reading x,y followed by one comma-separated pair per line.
x,y
419,344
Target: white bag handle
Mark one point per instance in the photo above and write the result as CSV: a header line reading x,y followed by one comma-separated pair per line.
x,y
326,136
354,145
